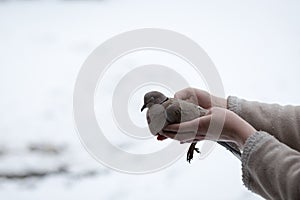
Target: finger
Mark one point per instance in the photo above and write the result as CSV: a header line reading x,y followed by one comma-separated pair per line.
x,y
209,111
181,95
197,139
169,134
184,137
172,128
181,136
200,123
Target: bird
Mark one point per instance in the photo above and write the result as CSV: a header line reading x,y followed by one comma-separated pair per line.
x,y
163,111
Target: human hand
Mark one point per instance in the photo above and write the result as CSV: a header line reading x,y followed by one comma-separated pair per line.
x,y
201,98
235,129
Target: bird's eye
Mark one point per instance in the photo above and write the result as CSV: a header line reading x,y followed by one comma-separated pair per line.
x,y
151,100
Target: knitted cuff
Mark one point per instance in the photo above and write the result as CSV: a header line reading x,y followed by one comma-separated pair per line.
x,y
234,104
252,144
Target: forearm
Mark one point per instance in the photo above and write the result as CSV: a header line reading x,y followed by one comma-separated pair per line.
x,y
283,122
270,168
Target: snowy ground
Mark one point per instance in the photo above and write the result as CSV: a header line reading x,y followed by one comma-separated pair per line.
x,y
254,44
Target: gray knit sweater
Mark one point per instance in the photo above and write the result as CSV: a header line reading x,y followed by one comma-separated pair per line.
x,y
271,157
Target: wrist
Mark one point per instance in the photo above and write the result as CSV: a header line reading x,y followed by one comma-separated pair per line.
x,y
219,102
243,132
240,130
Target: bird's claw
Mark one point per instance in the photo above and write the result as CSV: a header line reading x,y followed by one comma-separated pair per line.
x,y
190,153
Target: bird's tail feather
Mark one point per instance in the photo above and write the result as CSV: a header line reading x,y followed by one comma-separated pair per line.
x,y
232,148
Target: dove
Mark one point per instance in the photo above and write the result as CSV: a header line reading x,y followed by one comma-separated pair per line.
x,y
163,111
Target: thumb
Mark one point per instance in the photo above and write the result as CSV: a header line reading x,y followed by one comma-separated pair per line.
x,y
180,95
199,124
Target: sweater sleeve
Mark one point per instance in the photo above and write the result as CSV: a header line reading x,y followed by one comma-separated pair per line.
x,y
283,122
270,168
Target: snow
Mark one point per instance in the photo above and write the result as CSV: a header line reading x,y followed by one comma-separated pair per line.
x,y
254,45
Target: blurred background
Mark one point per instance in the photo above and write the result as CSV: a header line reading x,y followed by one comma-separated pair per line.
x,y
255,46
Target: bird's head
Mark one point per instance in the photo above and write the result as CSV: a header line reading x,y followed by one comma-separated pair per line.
x,y
152,98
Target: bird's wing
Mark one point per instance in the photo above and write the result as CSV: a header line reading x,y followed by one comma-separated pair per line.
x,y
173,113
156,118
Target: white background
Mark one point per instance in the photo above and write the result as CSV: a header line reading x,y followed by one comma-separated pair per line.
x,y
255,46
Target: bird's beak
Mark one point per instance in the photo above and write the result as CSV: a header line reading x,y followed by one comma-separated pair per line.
x,y
144,106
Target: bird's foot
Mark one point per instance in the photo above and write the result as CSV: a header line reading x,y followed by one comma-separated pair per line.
x,y
190,153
